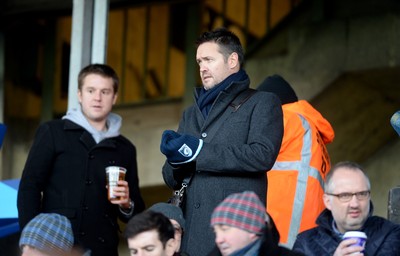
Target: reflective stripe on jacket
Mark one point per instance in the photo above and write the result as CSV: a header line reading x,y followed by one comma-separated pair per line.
x,y
295,182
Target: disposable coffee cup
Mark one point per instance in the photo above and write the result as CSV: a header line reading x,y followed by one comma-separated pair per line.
x,y
113,175
360,236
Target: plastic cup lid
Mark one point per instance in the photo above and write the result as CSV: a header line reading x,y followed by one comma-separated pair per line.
x,y
355,234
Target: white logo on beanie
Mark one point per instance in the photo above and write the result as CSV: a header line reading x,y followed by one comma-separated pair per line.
x,y
185,151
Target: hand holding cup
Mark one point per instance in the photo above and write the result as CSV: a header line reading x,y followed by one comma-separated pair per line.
x,y
116,184
353,243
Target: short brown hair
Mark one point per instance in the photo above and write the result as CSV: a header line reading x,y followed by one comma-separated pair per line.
x,y
99,69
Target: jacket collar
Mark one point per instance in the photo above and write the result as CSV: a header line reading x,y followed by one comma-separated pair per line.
x,y
86,138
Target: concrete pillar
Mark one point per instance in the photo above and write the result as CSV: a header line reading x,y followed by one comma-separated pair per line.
x,y
88,40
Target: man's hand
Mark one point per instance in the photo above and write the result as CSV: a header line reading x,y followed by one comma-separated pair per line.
x,y
346,247
180,148
122,192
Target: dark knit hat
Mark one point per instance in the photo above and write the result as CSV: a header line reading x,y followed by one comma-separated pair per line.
x,y
170,211
241,210
279,86
48,232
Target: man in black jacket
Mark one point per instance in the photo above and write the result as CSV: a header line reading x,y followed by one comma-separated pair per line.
x,y
349,208
65,170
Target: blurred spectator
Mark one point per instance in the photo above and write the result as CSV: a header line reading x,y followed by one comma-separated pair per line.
x,y
175,215
349,208
242,228
295,182
150,233
48,234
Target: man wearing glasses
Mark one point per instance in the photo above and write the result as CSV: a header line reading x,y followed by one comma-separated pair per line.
x,y
348,208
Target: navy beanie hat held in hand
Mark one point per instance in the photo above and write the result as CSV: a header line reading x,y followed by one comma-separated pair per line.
x,y
48,232
241,210
170,211
180,148
279,86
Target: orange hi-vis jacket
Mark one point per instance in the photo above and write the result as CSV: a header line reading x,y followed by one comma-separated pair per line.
x,y
295,182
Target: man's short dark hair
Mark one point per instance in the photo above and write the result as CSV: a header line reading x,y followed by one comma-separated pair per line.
x,y
147,221
98,69
227,41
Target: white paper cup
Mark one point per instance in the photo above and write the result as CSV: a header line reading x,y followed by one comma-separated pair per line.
x,y
360,236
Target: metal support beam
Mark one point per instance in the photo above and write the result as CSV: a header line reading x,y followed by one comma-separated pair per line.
x,y
81,41
88,40
100,31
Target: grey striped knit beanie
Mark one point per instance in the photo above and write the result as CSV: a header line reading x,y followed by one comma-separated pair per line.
x,y
48,232
241,210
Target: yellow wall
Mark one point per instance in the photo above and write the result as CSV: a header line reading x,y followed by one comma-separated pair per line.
x,y
139,50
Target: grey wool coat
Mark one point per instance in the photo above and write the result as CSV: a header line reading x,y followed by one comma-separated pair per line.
x,y
68,167
235,159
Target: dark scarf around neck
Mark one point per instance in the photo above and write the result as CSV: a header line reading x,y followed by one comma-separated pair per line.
x,y
207,97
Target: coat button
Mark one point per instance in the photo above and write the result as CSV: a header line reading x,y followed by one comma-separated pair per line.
x,y
101,240
204,135
85,208
197,205
91,156
89,182
82,233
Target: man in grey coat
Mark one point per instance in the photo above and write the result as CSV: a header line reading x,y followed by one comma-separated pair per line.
x,y
225,141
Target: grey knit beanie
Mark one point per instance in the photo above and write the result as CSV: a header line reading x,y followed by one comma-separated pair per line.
x,y
170,211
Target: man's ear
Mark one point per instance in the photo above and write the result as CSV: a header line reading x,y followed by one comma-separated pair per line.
x,y
327,201
170,247
233,60
79,96
115,98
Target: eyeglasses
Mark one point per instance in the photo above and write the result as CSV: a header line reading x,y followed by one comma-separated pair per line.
x,y
345,197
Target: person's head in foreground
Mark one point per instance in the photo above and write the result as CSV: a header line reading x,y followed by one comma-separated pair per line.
x,y
347,196
48,234
238,222
150,233
175,215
